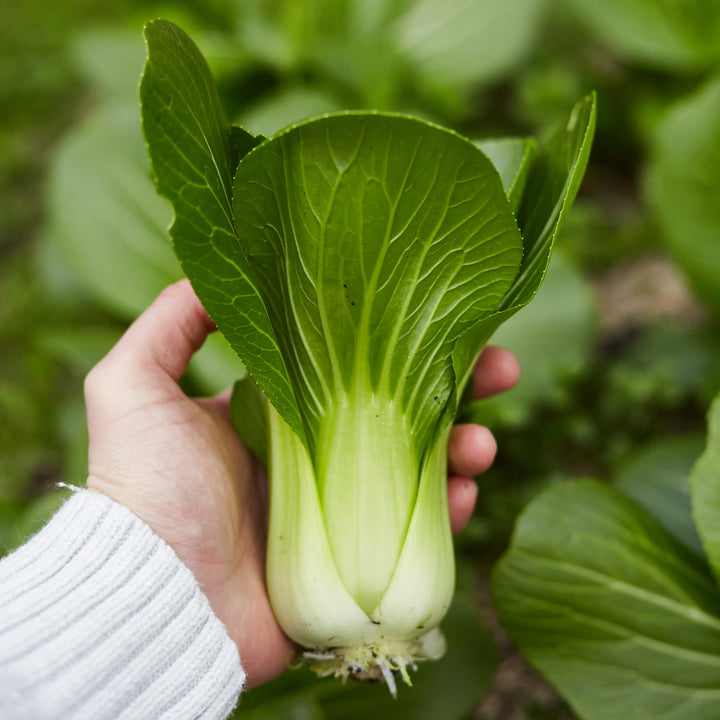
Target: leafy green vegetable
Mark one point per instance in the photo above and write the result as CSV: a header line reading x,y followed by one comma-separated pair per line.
x,y
673,34
613,609
682,183
195,172
611,606
657,479
357,263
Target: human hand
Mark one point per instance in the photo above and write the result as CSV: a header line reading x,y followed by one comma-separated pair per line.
x,y
177,464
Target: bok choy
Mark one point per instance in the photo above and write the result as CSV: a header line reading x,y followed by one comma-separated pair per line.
x,y
357,263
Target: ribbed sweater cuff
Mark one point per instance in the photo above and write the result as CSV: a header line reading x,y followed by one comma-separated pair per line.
x,y
99,619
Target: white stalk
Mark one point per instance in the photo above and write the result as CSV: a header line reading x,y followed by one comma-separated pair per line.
x,y
315,600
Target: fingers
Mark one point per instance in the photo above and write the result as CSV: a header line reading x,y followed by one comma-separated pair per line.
x,y
472,450
462,494
496,370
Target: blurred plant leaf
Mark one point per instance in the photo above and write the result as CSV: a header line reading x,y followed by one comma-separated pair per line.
x,y
377,49
620,616
36,514
71,419
671,34
666,365
106,215
302,705
286,33
346,41
705,490
286,107
81,346
10,510
657,479
111,60
683,184
458,44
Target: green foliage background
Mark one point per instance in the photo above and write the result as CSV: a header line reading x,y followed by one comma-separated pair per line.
x,y
620,351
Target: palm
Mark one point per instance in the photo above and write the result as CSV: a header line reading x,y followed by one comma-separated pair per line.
x,y
180,466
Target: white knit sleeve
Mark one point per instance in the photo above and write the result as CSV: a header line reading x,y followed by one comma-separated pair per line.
x,y
100,620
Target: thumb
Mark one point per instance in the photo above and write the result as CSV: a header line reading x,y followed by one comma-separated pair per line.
x,y
155,351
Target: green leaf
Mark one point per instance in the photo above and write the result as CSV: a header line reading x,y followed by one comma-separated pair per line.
x,y
657,479
682,183
672,34
376,241
511,158
193,153
705,490
248,412
619,615
554,178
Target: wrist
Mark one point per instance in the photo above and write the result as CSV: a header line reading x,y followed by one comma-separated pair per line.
x,y
96,612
